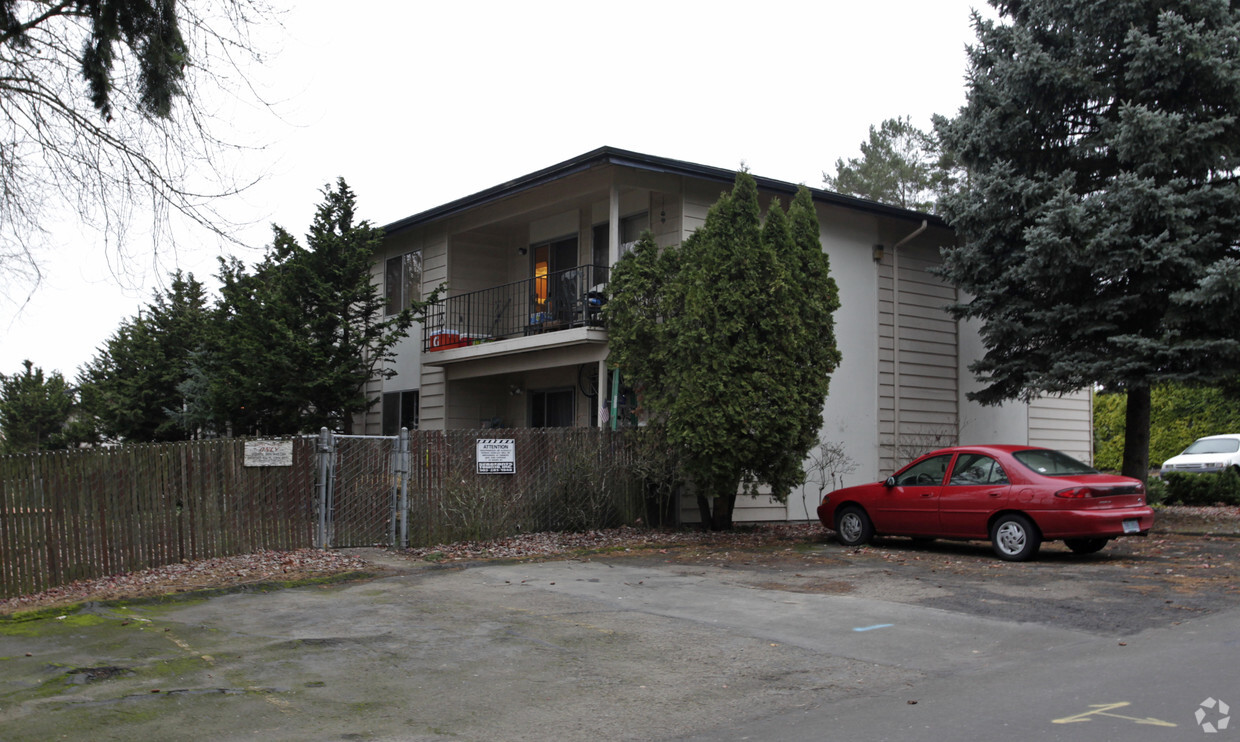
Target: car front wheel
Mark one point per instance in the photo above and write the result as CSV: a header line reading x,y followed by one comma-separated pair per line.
x,y
1085,545
853,527
1015,538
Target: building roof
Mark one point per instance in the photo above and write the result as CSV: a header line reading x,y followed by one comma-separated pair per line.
x,y
637,160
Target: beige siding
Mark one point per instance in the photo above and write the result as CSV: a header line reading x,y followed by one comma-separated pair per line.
x,y
922,413
432,398
748,509
698,198
373,419
476,402
432,388
1064,423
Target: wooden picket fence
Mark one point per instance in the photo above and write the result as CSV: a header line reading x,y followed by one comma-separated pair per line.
x,y
85,514
75,515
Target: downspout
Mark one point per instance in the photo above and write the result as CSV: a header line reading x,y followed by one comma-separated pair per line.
x,y
895,338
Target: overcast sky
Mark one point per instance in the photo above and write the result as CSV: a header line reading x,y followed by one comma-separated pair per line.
x,y
418,103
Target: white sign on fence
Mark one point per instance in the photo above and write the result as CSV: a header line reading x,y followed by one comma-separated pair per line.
x,y
497,456
268,453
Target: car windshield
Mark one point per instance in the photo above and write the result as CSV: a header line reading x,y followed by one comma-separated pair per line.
x,y
1214,445
1052,463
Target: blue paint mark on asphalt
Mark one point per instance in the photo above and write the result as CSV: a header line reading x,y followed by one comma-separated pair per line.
x,y
875,626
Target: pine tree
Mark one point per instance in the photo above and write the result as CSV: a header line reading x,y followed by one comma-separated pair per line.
x,y
130,388
1100,215
301,336
899,165
34,410
729,340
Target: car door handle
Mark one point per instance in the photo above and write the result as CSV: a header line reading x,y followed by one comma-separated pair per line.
x,y
927,494
993,494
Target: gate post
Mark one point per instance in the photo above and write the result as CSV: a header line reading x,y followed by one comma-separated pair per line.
x,y
324,449
402,472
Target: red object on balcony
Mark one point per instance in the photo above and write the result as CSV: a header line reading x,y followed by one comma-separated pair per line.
x,y
444,339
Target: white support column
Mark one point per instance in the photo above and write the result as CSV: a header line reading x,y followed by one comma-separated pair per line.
x,y
601,398
613,225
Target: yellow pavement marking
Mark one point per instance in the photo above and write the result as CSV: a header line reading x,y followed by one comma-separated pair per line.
x,y
1103,709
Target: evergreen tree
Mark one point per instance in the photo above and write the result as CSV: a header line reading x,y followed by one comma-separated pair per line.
x,y
1099,219
34,410
729,341
302,335
130,388
899,165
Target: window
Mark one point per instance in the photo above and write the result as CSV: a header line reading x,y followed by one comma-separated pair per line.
x,y
600,253
974,468
400,410
551,408
549,258
1213,445
402,277
631,228
1052,463
924,473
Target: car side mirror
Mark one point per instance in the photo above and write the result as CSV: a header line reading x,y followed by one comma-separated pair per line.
x,y
891,482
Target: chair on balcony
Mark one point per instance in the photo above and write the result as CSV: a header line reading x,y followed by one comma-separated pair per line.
x,y
497,322
565,298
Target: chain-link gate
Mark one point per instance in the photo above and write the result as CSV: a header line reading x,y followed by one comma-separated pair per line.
x,y
363,487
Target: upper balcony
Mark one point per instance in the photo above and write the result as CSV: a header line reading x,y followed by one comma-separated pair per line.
x,y
536,313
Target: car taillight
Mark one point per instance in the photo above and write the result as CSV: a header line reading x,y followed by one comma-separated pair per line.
x,y
1076,492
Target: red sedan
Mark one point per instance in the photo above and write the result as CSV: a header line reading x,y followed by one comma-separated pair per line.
x,y
1015,496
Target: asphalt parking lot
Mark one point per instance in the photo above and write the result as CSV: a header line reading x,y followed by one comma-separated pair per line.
x,y
655,644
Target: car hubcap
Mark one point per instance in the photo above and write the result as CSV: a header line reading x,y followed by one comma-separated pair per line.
x,y
850,526
1011,538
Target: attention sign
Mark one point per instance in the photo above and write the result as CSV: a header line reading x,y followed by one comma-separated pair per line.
x,y
268,453
497,456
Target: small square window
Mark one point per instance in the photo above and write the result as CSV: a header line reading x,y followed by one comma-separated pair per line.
x,y
400,410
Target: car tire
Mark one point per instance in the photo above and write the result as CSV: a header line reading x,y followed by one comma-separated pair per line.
x,y
1015,538
853,526
1086,545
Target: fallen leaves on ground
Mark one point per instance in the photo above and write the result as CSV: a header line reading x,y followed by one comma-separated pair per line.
x,y
281,566
532,545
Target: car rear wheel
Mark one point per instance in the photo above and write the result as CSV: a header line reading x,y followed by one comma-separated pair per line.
x,y
1015,538
853,527
1085,545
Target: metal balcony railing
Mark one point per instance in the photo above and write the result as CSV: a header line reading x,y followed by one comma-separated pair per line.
x,y
557,301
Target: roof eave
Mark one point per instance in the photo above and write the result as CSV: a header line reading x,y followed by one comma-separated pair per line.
x,y
637,160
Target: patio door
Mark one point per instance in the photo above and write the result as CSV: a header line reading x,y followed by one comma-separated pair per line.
x,y
549,261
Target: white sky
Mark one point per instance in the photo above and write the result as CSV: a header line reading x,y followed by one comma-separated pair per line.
x,y
419,103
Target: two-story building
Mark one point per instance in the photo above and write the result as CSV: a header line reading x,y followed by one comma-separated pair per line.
x,y
518,341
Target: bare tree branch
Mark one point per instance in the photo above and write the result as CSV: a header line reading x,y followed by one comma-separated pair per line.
x,y
113,165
